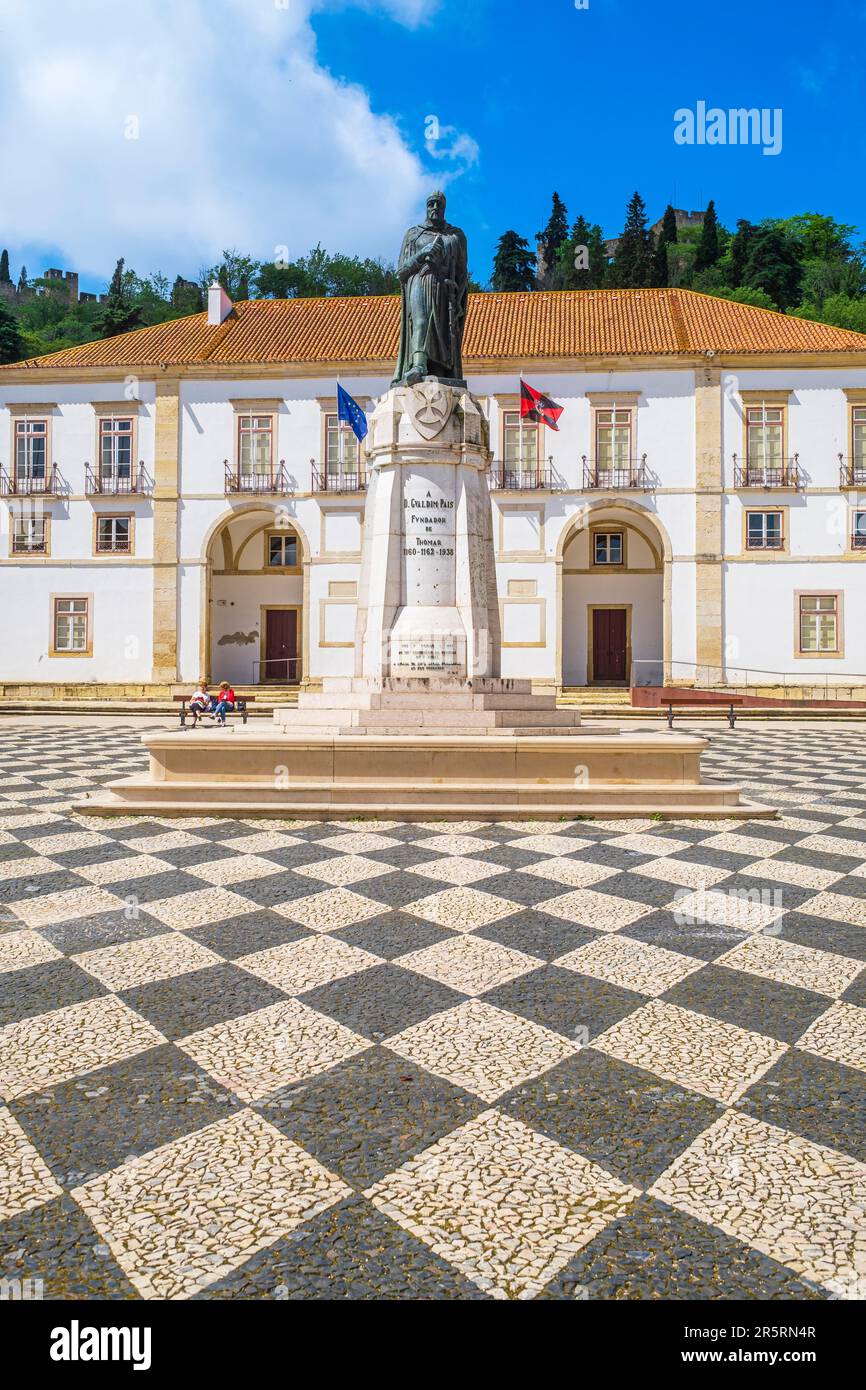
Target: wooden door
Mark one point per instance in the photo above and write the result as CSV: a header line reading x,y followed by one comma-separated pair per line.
x,y
281,644
609,644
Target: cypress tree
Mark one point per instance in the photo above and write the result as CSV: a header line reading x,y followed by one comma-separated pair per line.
x,y
669,225
22,280
707,251
513,264
5,277
740,247
632,266
118,314
554,234
660,261
11,342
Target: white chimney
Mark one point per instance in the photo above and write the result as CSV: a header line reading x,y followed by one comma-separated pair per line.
x,y
219,306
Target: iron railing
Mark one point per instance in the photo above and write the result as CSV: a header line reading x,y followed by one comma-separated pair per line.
x,y
111,483
779,473
341,480
852,472
275,482
29,484
630,473
524,477
286,670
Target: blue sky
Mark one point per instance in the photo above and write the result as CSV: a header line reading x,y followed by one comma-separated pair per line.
x,y
262,124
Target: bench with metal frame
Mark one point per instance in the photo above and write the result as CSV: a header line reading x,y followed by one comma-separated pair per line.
x,y
241,702
712,700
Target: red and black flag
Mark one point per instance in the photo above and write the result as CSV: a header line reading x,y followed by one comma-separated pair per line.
x,y
538,408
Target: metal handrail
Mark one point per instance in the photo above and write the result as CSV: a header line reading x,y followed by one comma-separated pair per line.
x,y
113,484
833,684
619,474
275,481
292,662
852,472
344,480
520,477
13,484
767,476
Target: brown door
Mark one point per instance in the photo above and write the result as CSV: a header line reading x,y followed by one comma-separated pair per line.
x,y
281,644
609,659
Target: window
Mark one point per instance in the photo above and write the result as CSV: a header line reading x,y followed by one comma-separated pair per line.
x,y
255,445
282,550
115,449
113,535
858,441
764,531
519,443
608,548
31,449
612,439
819,623
71,624
341,447
29,535
858,530
765,439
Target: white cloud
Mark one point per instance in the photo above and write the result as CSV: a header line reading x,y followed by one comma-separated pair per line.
x,y
244,139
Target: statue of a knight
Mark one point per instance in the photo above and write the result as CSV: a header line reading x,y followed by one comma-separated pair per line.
x,y
434,283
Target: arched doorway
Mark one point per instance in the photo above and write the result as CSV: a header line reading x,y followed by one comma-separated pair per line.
x,y
254,630
614,602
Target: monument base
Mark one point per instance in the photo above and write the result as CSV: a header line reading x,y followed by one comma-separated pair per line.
x,y
415,775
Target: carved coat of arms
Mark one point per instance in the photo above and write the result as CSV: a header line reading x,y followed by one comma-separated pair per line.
x,y
429,408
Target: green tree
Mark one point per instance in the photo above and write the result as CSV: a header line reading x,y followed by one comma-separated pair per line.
x,y
632,265
11,343
5,277
550,239
119,313
772,266
22,280
708,248
514,265
186,298
740,247
669,225
234,272
840,310
659,272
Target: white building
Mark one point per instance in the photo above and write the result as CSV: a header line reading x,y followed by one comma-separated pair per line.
x,y
181,502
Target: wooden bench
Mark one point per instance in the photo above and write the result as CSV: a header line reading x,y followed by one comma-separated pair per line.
x,y
241,702
712,701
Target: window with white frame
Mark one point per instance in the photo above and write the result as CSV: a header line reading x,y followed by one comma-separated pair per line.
x,y
341,447
765,530
519,443
765,430
31,450
613,431
29,534
858,528
113,535
608,548
115,448
71,624
819,623
858,437
255,445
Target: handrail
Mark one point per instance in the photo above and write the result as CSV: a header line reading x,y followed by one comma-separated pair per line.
x,y
852,471
292,662
620,473
275,481
113,484
343,480
786,473
522,477
14,484
728,676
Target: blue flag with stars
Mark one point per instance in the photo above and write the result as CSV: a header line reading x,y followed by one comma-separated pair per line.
x,y
349,411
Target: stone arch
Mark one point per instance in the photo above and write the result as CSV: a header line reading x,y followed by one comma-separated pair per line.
x,y
219,533
662,549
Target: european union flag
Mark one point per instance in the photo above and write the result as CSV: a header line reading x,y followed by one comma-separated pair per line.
x,y
349,411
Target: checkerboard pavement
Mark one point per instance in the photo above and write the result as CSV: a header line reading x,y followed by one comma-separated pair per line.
x,y
262,1058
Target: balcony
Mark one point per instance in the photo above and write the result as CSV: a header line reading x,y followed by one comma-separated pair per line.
x,y
852,472
516,477
274,483
339,480
768,477
31,484
116,483
623,474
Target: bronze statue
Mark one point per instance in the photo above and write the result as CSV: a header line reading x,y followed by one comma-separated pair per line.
x,y
434,282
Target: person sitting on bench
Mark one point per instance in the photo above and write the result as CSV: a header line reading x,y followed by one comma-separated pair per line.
x,y
200,702
223,702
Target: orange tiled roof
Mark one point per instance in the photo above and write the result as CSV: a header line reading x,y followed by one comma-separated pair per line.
x,y
568,324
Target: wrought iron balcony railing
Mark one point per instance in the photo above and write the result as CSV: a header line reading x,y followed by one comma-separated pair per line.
x,y
852,472
339,480
616,476
27,483
275,482
114,483
523,477
777,473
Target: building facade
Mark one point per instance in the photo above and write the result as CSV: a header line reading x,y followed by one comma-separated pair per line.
x,y
181,501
